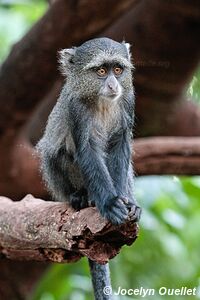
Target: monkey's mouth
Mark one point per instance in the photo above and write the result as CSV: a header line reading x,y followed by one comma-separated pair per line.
x,y
114,96
111,95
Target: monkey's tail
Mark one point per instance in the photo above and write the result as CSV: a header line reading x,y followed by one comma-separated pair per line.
x,y
101,280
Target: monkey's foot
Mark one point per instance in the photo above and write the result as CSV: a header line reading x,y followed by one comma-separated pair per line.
x,y
116,211
79,199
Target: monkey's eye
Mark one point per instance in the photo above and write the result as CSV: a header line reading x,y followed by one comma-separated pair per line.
x,y
118,70
102,71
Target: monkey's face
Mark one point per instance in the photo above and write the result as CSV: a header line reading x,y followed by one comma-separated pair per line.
x,y
100,69
104,82
109,81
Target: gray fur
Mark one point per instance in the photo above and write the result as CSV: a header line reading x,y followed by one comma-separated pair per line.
x,y
86,147
100,280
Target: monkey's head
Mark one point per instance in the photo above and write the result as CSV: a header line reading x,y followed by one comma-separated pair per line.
x,y
99,68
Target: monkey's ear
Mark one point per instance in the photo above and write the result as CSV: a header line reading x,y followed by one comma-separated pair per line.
x,y
128,47
65,58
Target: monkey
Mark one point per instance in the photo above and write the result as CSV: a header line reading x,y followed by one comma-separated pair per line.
x,y
85,151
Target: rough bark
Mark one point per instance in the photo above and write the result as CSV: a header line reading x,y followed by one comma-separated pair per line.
x,y
33,229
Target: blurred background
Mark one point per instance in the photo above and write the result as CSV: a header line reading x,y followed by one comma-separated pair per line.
x,y
167,250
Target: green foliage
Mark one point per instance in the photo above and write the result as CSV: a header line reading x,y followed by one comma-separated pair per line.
x,y
16,17
165,254
60,281
194,87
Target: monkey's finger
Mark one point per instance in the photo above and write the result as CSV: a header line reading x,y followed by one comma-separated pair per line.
x,y
119,204
120,215
125,200
135,213
117,219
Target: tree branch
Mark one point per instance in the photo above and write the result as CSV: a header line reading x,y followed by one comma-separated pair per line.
x,y
167,155
33,229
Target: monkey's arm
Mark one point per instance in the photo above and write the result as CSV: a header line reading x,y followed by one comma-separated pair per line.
x,y
120,168
119,159
119,147
91,160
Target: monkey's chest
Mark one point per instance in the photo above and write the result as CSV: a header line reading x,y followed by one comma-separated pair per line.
x,y
106,123
105,130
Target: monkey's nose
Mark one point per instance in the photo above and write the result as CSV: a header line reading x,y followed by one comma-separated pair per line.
x,y
113,85
113,88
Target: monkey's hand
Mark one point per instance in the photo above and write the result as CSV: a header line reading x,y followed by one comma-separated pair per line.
x,y
119,210
134,210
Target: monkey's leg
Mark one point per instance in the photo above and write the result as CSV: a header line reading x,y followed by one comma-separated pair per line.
x,y
101,280
55,173
58,169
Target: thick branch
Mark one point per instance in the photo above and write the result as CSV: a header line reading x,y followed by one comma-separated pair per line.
x,y
33,229
167,155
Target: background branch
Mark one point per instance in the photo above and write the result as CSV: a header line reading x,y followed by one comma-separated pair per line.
x,y
153,155
167,155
